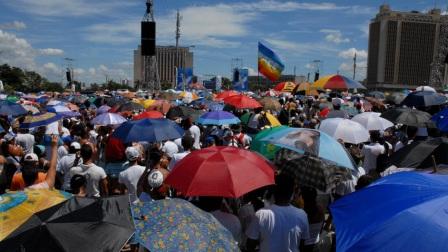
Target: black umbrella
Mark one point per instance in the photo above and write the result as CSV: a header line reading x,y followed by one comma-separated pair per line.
x,y
79,224
190,112
407,116
424,99
174,113
396,98
419,154
113,101
130,106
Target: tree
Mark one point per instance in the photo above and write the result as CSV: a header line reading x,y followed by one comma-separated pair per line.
x,y
226,83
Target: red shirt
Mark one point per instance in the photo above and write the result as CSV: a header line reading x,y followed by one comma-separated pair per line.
x,y
115,150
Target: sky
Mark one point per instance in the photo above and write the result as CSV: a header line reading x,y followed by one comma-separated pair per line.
x,y
100,35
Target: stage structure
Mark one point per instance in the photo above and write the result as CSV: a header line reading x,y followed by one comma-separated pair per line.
x,y
151,80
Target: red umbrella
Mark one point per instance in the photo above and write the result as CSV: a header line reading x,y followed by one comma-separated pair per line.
x,y
287,86
154,114
226,94
242,102
221,171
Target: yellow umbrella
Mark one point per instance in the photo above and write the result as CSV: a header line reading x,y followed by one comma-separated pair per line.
x,y
320,83
272,120
17,207
307,87
147,103
185,94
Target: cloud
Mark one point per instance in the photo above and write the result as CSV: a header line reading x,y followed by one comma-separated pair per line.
x,y
15,25
350,53
51,52
252,72
334,36
16,51
278,6
346,68
113,32
299,48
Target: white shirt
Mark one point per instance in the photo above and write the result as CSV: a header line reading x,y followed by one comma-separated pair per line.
x,y
129,178
229,221
65,132
196,133
371,153
26,141
62,152
253,121
93,176
176,158
64,166
170,148
279,228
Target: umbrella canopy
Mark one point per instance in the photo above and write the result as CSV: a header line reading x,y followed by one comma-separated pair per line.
x,y
424,99
31,108
174,113
63,111
405,211
426,88
8,108
218,118
130,106
337,82
242,102
78,224
376,95
345,129
148,114
177,225
41,119
312,142
226,94
305,88
270,103
188,97
162,106
103,109
311,171
108,119
12,98
266,149
150,130
396,97
190,112
272,120
147,103
115,101
287,86
408,116
221,171
372,121
18,207
419,154
441,120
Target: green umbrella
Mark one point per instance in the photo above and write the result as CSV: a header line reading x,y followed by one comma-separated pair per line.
x,y
264,148
245,118
12,98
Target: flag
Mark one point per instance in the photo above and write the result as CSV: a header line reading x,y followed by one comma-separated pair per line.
x,y
184,77
241,79
269,64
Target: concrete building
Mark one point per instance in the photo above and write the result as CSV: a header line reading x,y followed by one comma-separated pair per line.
x,y
405,48
166,62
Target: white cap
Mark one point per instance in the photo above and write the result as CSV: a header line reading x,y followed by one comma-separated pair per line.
x,y
75,145
31,157
132,153
155,179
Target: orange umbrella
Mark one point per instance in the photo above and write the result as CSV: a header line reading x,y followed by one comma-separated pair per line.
x,y
307,88
160,105
226,94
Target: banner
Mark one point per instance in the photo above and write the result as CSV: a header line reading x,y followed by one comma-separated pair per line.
x,y
269,64
184,78
241,79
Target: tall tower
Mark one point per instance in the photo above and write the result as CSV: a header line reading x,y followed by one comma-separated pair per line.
x,y
151,80
178,18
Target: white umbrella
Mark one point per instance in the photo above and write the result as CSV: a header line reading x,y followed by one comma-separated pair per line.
x,y
109,119
31,108
372,121
103,109
426,88
347,130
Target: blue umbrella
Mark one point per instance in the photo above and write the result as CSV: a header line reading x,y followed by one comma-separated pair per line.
x,y
8,108
312,142
63,111
150,130
406,211
423,99
41,119
218,118
441,120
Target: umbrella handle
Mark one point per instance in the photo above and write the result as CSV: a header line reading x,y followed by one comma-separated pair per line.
x,y
434,169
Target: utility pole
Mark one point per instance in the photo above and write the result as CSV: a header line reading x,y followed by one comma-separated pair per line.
x,y
178,19
354,67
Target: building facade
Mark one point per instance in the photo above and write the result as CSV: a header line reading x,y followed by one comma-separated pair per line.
x,y
404,49
166,62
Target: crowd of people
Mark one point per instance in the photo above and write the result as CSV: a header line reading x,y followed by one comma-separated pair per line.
x,y
82,159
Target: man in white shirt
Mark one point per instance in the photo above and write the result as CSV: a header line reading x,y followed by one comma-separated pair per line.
x,y
25,140
372,151
196,133
187,144
96,176
280,227
129,177
66,163
170,148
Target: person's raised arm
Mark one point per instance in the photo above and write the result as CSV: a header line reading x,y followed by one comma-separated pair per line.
x,y
51,174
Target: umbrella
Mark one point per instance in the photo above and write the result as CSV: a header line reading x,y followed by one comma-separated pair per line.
x,y
8,108
408,116
441,120
405,211
272,120
426,88
63,111
18,207
337,82
372,121
103,109
54,103
226,94
162,106
174,113
150,130
130,106
13,98
305,88
221,171
419,154
218,118
310,171
177,225
312,142
170,96
396,97
270,103
78,224
345,129
214,106
147,103
108,119
376,95
266,149
188,97
242,102
287,86
271,93
190,112
31,108
115,101
424,99
148,114
41,119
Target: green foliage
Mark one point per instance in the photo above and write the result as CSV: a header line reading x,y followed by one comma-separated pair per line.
x,y
226,83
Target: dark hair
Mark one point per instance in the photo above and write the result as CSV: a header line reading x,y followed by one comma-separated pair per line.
x,y
77,182
411,131
375,136
284,187
29,173
86,152
364,181
187,142
309,196
154,155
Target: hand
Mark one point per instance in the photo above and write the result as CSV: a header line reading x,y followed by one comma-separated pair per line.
x,y
54,140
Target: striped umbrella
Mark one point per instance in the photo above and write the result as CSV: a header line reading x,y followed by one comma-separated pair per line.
x,y
41,119
287,86
337,82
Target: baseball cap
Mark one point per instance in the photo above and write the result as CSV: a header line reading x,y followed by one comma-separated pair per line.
x,y
155,179
132,153
31,157
75,145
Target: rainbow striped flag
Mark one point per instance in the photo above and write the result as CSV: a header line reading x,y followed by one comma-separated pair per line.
x,y
269,64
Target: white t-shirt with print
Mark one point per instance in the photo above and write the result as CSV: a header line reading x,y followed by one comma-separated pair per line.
x,y
93,174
